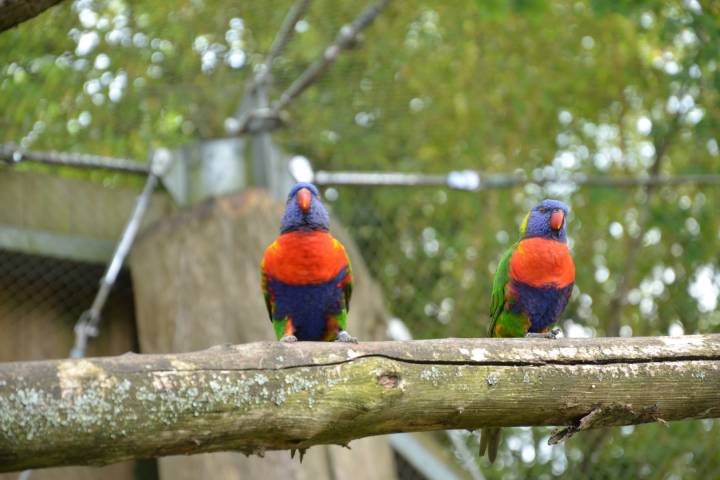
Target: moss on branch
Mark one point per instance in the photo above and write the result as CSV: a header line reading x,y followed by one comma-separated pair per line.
x,y
276,396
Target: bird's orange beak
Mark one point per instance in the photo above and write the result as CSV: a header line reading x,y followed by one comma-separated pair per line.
x,y
304,197
556,219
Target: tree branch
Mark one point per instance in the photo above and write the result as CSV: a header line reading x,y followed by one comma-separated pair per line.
x,y
285,33
662,144
346,38
269,395
634,244
14,12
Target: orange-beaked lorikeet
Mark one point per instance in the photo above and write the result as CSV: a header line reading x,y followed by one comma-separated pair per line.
x,y
306,274
532,286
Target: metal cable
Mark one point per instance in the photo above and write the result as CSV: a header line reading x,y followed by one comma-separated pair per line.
x,y
13,154
460,180
474,181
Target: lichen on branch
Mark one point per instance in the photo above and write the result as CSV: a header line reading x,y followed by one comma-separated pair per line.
x,y
264,396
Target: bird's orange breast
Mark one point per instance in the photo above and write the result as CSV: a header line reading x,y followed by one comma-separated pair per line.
x,y
303,258
540,262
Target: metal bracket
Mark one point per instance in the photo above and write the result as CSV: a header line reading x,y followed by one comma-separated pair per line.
x,y
88,325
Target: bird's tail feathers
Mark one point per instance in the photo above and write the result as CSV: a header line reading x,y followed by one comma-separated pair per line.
x,y
489,442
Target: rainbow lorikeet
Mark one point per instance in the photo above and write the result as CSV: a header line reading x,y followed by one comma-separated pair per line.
x,y
306,273
532,286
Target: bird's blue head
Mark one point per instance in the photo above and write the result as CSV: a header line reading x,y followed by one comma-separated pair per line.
x,y
546,220
304,210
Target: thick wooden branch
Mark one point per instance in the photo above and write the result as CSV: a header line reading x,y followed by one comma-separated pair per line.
x,y
262,396
14,12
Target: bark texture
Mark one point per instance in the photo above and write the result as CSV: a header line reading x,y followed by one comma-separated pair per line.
x,y
267,395
14,12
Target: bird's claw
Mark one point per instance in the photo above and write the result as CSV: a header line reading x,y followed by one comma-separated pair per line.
x,y
302,452
552,334
289,339
345,337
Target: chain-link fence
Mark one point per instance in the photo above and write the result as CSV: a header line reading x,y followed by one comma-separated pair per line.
x,y
430,250
56,235
35,288
42,297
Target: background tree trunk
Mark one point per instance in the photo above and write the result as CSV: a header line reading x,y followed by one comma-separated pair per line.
x,y
197,284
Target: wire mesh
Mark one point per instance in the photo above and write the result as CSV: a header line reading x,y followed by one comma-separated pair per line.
x,y
41,298
434,267
56,233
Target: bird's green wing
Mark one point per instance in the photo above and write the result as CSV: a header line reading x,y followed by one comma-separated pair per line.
x,y
348,284
502,277
266,292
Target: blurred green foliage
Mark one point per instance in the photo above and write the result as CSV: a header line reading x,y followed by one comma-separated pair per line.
x,y
602,88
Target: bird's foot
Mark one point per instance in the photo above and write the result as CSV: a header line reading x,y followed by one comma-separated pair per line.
x,y
302,452
552,334
345,337
289,339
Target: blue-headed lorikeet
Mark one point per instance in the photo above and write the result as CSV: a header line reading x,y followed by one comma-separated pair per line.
x,y
306,273
532,286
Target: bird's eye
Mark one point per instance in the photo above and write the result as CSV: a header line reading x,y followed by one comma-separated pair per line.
x,y
542,210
